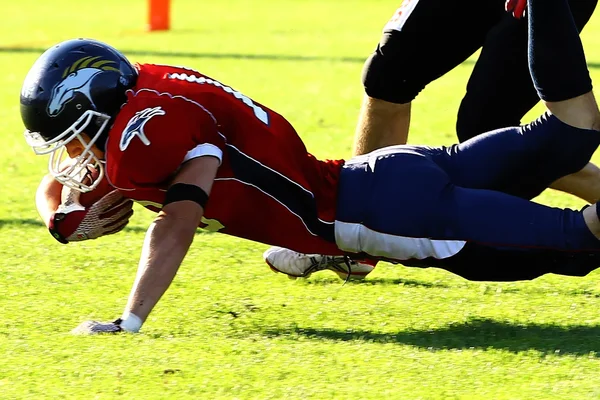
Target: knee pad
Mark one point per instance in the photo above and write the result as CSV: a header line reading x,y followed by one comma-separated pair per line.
x,y
388,74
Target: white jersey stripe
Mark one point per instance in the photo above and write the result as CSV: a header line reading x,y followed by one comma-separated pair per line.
x,y
357,238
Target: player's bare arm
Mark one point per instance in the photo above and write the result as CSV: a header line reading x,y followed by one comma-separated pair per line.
x,y
167,241
47,198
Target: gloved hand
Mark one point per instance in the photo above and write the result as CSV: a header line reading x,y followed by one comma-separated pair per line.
x,y
95,327
73,222
518,8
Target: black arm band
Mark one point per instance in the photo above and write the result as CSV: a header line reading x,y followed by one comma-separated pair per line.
x,y
184,191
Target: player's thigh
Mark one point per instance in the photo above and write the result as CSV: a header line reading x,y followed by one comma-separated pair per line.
x,y
386,203
424,40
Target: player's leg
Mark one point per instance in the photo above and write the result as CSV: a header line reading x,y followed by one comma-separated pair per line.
x,y
500,91
522,161
570,239
425,220
541,240
558,65
423,41
501,222
559,70
514,94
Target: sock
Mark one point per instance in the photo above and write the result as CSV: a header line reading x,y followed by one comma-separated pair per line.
x,y
556,58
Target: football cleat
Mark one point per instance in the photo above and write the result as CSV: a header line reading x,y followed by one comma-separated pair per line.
x,y
297,265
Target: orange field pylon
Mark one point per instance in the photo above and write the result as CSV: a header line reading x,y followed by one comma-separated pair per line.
x,y
158,15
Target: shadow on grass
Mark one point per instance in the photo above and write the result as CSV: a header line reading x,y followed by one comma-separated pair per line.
x,y
29,222
404,282
479,334
230,56
21,222
329,280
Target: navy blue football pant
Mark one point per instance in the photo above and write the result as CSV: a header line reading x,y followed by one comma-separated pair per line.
x,y
466,208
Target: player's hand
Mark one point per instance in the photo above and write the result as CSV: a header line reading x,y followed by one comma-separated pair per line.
x,y
517,8
95,327
73,222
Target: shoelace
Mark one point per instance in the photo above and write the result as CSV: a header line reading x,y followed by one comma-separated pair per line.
x,y
347,261
326,261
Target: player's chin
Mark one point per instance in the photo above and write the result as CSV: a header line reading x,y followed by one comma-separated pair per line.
x,y
92,173
89,172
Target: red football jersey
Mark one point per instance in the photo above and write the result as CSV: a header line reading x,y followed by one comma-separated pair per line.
x,y
268,188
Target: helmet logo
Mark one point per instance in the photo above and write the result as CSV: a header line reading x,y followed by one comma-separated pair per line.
x,y
135,126
77,79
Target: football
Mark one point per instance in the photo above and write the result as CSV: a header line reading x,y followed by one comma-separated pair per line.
x,y
88,198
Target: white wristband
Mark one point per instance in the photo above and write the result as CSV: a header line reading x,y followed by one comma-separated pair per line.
x,y
130,322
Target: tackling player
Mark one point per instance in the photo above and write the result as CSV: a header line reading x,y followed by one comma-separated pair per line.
x,y
191,148
422,42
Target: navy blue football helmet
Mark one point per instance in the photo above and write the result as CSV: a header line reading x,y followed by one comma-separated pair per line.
x,y
75,87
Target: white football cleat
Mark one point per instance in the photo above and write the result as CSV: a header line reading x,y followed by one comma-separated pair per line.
x,y
298,265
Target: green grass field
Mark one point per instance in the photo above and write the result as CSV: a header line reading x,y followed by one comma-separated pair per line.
x,y
228,327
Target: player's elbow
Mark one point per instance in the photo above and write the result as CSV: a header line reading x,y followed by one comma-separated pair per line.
x,y
180,218
185,211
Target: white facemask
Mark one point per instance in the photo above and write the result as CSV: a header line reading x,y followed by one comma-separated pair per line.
x,y
73,176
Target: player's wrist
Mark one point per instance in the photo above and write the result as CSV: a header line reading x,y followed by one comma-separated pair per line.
x,y
130,322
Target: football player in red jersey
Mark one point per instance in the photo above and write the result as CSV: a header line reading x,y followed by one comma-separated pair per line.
x,y
422,41
194,150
